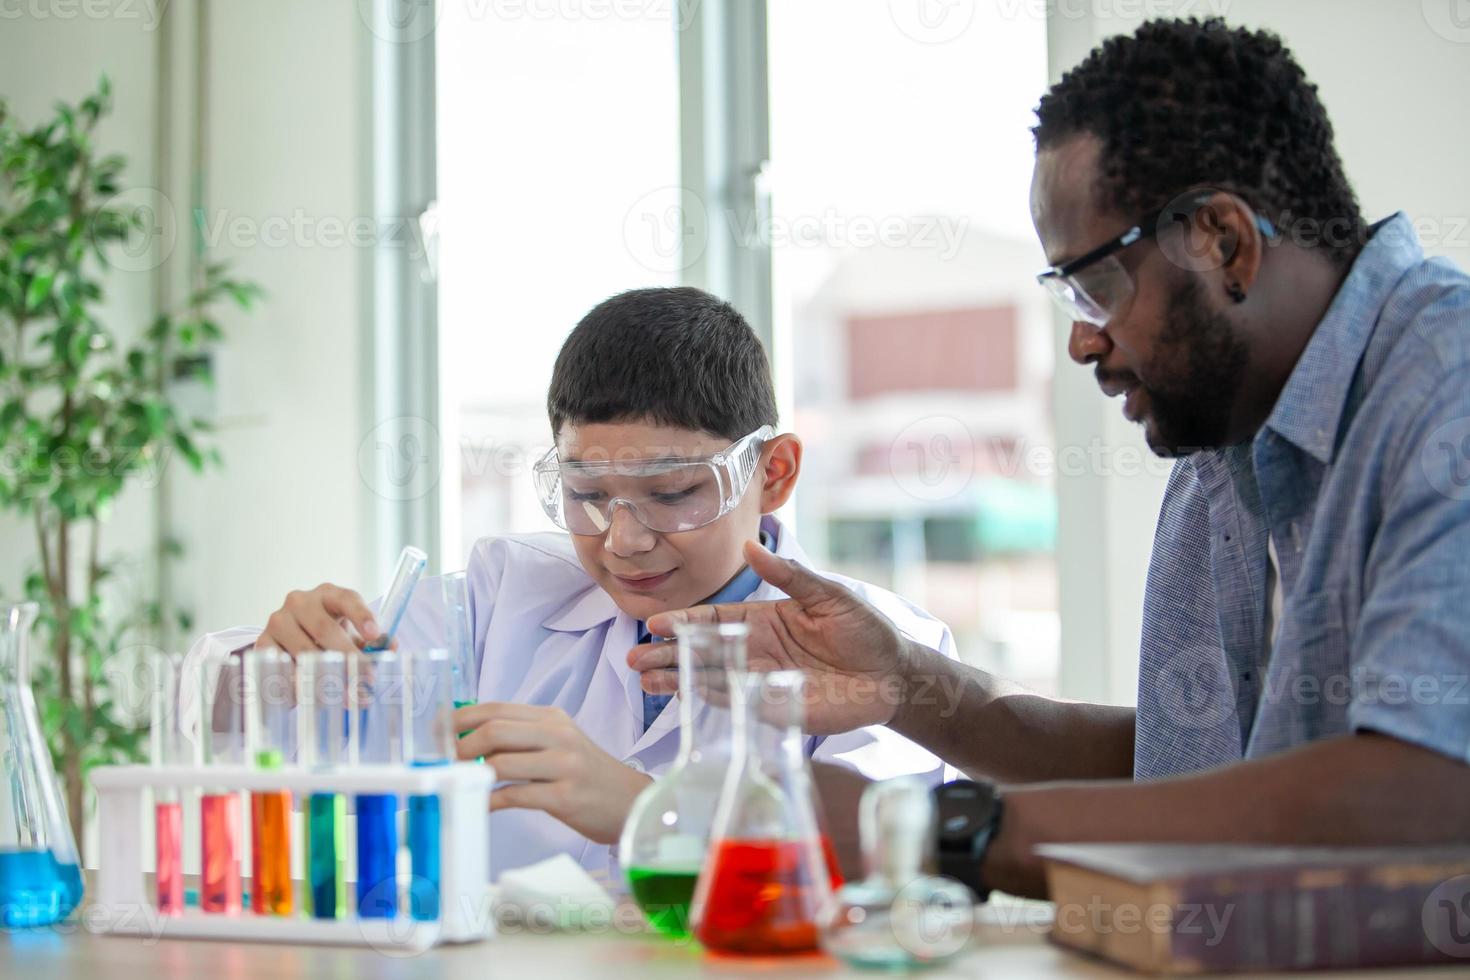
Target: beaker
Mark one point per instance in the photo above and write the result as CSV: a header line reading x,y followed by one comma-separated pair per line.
x,y
668,829
40,877
770,869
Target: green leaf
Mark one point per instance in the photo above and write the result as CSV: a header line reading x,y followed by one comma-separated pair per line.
x,y
38,290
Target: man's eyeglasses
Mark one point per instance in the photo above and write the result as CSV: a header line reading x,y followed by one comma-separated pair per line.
x,y
1094,286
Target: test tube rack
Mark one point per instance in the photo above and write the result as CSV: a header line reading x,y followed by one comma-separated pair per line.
x,y
125,794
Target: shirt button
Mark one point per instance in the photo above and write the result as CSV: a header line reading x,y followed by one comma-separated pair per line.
x,y
633,764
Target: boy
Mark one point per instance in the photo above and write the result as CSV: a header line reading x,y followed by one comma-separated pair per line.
x,y
673,387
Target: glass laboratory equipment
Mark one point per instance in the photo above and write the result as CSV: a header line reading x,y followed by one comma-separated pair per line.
x,y
770,870
321,697
222,700
269,705
165,748
898,916
379,686
430,741
40,877
668,829
461,639
411,565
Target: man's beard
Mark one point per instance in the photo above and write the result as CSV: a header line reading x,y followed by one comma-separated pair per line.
x,y
1194,376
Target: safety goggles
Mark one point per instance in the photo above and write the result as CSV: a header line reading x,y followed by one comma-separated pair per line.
x,y
665,494
1093,287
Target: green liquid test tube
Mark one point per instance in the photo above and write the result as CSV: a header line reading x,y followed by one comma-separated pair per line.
x,y
322,692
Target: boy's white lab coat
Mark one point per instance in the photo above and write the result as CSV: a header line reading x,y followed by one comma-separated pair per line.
x,y
548,635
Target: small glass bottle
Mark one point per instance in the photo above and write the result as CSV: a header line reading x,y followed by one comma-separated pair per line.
x,y
770,870
321,680
668,829
40,876
898,916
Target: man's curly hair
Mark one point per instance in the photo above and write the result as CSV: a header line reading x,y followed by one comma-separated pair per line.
x,y
1184,104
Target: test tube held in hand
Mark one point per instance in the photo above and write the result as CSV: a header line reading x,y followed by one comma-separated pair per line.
x,y
411,564
165,744
461,641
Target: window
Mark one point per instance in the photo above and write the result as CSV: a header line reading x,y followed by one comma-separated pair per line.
x,y
557,145
920,350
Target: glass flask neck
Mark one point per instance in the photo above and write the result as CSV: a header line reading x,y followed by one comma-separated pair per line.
x,y
15,630
707,656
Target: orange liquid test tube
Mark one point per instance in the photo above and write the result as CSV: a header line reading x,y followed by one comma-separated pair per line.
x,y
267,726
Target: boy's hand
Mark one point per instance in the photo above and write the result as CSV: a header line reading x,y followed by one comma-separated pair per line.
x,y
565,774
318,620
856,663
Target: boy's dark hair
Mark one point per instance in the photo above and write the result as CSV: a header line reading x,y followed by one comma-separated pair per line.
x,y
1183,104
677,357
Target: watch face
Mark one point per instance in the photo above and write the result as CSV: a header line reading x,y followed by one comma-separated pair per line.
x,y
963,809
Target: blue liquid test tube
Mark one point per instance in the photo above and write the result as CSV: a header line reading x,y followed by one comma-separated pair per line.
x,y
380,741
321,694
430,742
461,639
411,564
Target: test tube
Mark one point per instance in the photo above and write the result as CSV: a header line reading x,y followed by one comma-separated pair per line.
x,y
430,743
267,734
411,564
165,745
321,684
380,742
222,719
461,637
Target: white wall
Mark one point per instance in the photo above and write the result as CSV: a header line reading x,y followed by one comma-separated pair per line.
x,y
287,171
43,60
1397,91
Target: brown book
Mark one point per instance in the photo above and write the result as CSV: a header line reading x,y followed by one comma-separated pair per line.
x,y
1181,908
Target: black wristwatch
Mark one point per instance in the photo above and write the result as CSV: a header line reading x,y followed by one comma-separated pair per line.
x,y
967,818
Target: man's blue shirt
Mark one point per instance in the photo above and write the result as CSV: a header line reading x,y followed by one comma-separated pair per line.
x,y
1361,479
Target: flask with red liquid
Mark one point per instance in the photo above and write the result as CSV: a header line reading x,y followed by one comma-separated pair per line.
x,y
770,870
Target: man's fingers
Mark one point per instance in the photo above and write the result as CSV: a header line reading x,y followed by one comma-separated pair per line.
x,y
798,582
325,630
653,656
662,624
283,633
664,681
345,602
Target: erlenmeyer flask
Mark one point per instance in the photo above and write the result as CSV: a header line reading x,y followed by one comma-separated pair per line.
x,y
770,869
40,877
668,828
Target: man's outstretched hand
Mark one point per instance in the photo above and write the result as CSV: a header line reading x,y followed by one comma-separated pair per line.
x,y
854,659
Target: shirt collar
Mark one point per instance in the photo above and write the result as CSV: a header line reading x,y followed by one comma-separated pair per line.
x,y
594,607
1308,413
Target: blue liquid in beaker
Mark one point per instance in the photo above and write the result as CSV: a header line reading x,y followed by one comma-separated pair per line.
x,y
35,888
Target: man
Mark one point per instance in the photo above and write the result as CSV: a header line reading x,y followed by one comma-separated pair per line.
x,y
1306,638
